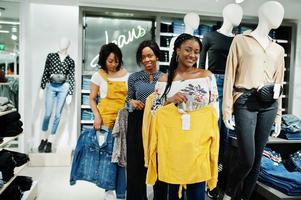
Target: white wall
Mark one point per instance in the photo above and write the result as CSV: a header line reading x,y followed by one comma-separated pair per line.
x,y
45,25
297,75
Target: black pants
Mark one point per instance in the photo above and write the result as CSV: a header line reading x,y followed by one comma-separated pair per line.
x,y
136,172
253,121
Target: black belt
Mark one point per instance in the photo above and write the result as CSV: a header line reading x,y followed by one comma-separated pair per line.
x,y
252,90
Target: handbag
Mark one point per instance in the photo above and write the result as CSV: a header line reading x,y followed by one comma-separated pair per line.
x,y
265,94
57,78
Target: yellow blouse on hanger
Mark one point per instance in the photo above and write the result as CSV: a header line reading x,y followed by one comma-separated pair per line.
x,y
184,156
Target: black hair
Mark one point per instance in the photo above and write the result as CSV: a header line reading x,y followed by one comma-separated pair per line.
x,y
174,61
147,43
105,51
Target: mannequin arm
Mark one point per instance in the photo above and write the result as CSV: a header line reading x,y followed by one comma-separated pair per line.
x,y
41,93
277,130
229,123
68,99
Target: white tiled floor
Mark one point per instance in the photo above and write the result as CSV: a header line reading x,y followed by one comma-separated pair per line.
x,y
53,184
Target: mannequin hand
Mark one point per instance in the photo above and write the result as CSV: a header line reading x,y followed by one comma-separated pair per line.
x,y
97,123
41,93
178,98
68,99
230,124
277,130
138,105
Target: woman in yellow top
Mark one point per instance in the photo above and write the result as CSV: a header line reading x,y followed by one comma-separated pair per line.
x,y
189,88
110,83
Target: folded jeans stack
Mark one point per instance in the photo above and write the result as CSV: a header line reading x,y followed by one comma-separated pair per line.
x,y
290,127
87,115
86,84
274,174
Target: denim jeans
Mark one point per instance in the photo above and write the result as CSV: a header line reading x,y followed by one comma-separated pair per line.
x,y
253,126
55,93
291,123
276,175
224,132
194,191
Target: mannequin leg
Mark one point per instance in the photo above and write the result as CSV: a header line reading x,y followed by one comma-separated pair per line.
x,y
49,101
245,121
265,120
62,92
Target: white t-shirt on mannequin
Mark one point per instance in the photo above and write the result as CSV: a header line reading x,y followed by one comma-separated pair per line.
x,y
270,15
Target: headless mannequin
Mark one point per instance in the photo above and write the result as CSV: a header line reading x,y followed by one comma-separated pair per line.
x,y
270,16
191,21
63,53
232,15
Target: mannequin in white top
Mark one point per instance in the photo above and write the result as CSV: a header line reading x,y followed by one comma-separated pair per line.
x,y
191,21
270,15
63,53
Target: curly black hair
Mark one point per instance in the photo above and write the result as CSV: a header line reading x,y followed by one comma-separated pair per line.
x,y
147,43
105,51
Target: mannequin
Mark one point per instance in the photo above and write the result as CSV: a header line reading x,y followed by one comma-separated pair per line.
x,y
58,79
214,54
260,65
191,21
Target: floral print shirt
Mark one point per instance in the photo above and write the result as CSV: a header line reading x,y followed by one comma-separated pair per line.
x,y
199,92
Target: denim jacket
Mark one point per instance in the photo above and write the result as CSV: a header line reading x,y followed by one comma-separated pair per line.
x,y
92,162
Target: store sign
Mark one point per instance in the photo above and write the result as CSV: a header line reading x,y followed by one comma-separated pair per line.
x,y
122,40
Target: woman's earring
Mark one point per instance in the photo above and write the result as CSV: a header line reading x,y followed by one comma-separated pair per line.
x,y
177,58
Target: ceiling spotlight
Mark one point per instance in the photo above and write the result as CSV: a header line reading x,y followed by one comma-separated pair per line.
x,y
239,1
14,37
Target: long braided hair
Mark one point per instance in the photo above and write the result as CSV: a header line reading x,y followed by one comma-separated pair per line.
x,y
174,61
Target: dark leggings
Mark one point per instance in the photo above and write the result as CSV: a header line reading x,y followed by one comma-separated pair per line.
x,y
193,192
253,122
136,172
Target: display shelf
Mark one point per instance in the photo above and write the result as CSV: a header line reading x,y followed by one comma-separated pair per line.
x,y
32,193
163,63
17,170
86,121
272,140
85,106
273,194
85,91
164,48
6,140
7,112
